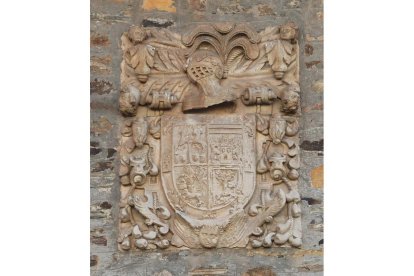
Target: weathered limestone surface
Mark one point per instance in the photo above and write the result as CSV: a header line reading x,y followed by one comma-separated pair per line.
x,y
109,20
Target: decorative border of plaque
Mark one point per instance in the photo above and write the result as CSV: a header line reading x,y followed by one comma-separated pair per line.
x,y
209,148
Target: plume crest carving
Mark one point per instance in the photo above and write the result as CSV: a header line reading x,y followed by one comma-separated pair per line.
x,y
209,148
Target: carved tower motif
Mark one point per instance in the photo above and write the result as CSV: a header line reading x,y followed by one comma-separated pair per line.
x,y
209,148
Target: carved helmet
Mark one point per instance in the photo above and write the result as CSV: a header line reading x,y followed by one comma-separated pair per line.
x,y
204,64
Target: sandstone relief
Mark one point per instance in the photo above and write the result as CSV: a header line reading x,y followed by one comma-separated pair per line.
x,y
209,147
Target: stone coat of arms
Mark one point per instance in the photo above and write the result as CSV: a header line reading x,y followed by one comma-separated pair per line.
x,y
209,154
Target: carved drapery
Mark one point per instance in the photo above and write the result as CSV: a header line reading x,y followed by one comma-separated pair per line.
x,y
209,152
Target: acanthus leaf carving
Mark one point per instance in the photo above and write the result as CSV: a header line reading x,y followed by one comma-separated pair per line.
x,y
142,207
138,57
224,175
252,65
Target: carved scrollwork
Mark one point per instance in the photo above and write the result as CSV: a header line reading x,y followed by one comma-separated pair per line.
x,y
226,175
258,95
206,62
161,100
155,222
280,159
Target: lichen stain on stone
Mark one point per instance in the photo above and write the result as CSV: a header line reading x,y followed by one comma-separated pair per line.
x,y
293,4
99,40
317,106
317,86
262,10
311,268
198,5
96,212
319,15
230,9
161,5
108,106
100,87
101,126
296,253
317,177
99,241
310,38
163,273
304,252
100,65
316,225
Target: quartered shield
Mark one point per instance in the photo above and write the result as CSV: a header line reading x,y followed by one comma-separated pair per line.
x,y
208,163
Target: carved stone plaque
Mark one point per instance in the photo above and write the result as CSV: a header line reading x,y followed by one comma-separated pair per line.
x,y
210,177
209,152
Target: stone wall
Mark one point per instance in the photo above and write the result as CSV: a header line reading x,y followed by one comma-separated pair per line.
x,y
109,19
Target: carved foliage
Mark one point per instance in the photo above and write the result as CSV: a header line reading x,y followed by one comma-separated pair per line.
x,y
280,159
200,180
138,57
207,56
136,165
155,222
224,37
282,51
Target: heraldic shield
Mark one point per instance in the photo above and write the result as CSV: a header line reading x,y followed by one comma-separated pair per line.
x,y
209,149
208,175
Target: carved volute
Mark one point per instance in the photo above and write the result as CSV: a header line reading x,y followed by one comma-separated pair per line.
x,y
209,149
